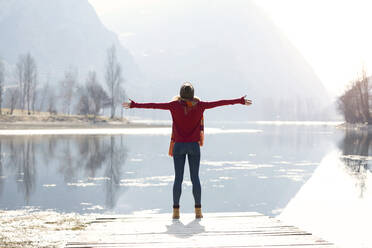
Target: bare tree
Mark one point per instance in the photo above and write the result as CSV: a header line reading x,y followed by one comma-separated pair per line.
x,y
19,73
92,97
11,98
26,74
113,78
51,101
43,96
68,85
97,95
30,80
363,93
35,94
83,102
354,103
48,100
2,77
121,98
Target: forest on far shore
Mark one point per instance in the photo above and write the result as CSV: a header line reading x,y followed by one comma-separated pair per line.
x,y
69,96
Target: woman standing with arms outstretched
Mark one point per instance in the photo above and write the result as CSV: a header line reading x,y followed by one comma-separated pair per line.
x,y
187,113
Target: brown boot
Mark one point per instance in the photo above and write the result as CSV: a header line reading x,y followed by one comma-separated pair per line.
x,y
176,213
198,213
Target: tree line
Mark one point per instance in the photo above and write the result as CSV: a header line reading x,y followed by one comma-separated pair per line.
x,y
68,96
354,104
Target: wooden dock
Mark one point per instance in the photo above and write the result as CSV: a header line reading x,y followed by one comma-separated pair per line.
x,y
247,229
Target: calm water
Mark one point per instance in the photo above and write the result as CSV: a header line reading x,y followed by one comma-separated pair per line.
x,y
245,167
314,176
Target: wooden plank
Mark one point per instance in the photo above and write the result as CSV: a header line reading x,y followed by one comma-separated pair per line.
x,y
214,230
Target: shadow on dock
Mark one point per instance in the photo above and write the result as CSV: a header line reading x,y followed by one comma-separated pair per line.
x,y
181,230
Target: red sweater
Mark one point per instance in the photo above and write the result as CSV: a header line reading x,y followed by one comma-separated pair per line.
x,y
186,120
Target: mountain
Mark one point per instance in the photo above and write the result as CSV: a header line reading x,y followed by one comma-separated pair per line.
x,y
59,34
226,49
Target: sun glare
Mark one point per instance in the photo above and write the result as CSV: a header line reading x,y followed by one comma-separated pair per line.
x,y
333,36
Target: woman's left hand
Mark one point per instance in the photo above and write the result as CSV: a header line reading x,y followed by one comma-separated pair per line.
x,y
247,101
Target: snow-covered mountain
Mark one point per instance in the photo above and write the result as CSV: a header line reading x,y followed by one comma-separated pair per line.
x,y
59,34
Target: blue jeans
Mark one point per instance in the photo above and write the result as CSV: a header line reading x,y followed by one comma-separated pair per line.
x,y
192,150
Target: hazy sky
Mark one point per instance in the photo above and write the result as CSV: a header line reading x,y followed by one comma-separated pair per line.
x,y
333,36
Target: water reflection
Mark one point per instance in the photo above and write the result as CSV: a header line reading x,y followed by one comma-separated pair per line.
x,y
22,161
335,202
77,159
356,150
113,171
356,142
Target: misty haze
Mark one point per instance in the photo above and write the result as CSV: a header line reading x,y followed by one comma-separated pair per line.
x,y
95,100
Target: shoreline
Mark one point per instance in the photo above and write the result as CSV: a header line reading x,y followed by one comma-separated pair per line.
x,y
37,125
355,126
20,121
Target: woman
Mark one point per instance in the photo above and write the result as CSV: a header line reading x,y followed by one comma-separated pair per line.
x,y
187,114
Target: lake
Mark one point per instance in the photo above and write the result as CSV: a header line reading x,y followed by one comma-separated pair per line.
x,y
309,174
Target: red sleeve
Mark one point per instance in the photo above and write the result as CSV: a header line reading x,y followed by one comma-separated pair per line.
x,y
209,105
166,106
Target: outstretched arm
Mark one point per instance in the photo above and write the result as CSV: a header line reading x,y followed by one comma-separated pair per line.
x,y
133,104
241,100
